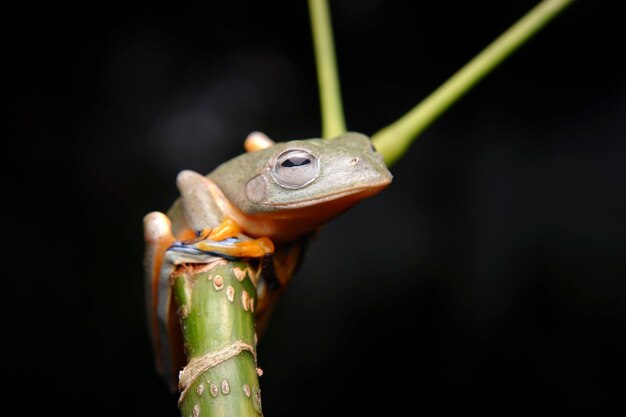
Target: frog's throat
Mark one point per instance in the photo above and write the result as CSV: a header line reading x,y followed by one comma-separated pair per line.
x,y
356,194
287,222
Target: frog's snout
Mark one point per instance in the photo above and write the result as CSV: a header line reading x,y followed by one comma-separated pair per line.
x,y
370,170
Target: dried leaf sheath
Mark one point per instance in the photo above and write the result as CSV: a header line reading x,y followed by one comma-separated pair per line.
x,y
216,304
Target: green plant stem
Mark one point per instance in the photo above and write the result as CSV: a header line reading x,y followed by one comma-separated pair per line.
x,y
216,311
393,140
333,122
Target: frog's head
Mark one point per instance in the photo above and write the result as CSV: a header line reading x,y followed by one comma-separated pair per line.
x,y
303,182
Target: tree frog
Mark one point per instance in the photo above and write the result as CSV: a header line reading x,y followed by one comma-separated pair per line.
x,y
261,204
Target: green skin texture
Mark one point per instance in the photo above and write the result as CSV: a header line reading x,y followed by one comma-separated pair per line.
x,y
210,322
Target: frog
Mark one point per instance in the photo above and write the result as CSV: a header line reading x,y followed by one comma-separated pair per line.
x,y
264,204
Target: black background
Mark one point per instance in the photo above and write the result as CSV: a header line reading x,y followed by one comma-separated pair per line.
x,y
490,277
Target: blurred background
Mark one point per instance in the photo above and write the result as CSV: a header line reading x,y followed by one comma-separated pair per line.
x,y
490,277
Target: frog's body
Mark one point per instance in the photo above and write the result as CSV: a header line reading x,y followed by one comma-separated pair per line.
x,y
261,203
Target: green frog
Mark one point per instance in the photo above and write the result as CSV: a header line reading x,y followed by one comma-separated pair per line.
x,y
263,204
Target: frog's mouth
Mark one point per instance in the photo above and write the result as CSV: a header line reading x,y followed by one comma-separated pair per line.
x,y
337,199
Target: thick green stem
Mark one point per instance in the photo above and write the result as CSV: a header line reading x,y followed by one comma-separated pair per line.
x,y
333,123
216,305
393,140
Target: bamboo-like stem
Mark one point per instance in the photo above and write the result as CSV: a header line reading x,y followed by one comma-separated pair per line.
x,y
393,140
216,309
333,122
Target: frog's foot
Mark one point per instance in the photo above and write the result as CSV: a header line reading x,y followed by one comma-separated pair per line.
x,y
227,229
221,241
235,248
257,141
207,250
158,237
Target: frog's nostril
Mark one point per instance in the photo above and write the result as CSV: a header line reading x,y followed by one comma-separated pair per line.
x,y
353,161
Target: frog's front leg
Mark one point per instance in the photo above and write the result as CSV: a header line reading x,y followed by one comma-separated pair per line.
x,y
228,228
214,231
200,209
225,241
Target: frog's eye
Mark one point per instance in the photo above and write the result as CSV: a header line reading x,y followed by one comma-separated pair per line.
x,y
295,168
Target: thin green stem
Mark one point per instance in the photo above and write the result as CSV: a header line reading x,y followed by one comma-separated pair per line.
x,y
393,140
333,123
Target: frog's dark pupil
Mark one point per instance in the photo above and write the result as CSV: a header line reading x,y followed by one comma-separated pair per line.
x,y
295,161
